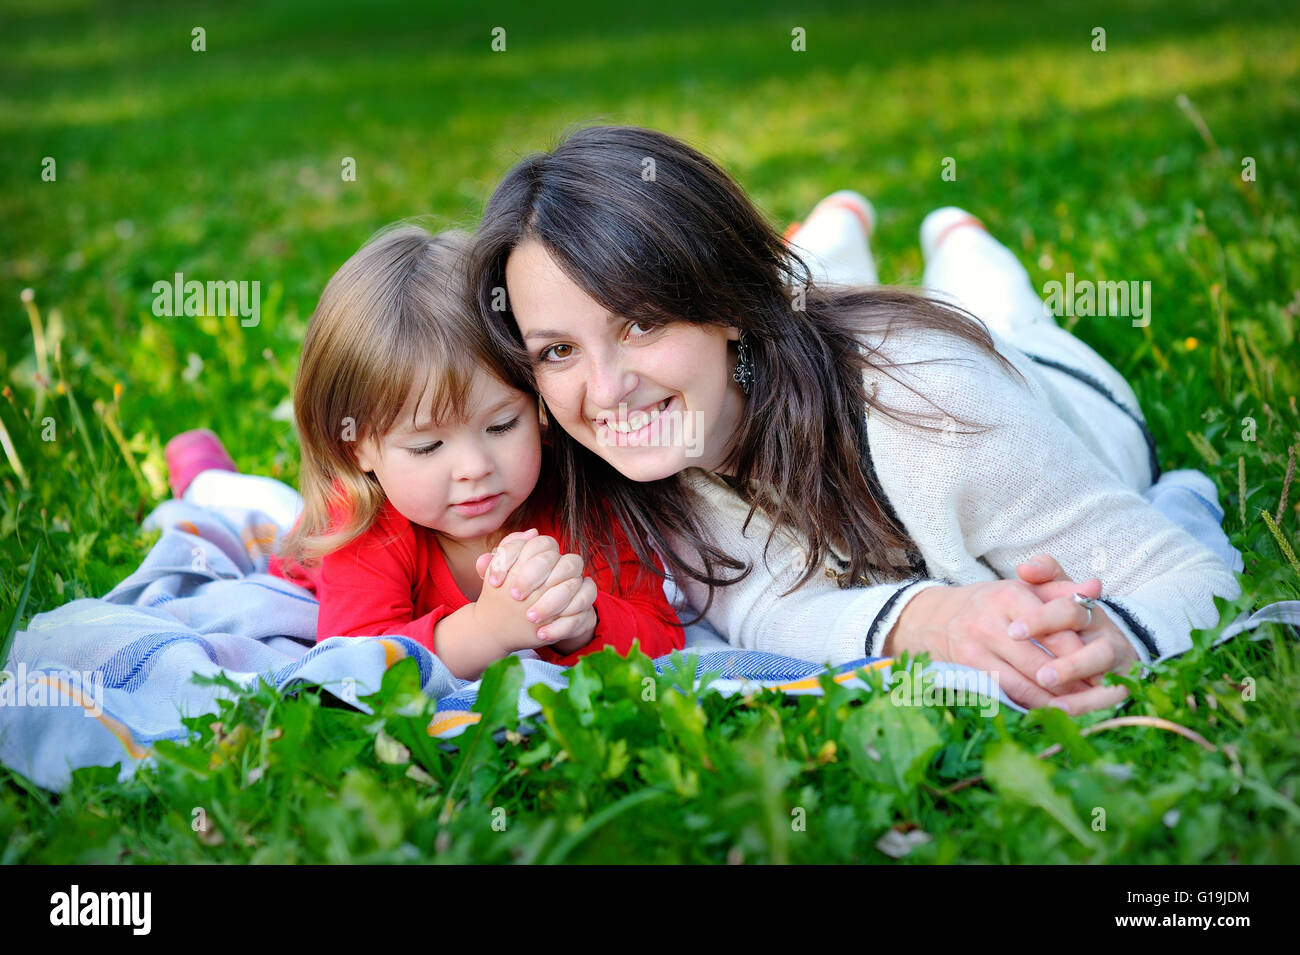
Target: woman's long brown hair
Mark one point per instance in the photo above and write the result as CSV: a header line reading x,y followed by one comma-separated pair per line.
x,y
652,229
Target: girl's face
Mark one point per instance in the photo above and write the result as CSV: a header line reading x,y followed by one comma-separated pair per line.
x,y
649,400
461,480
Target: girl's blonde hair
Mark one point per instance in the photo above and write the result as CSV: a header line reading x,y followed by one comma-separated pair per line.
x,y
396,315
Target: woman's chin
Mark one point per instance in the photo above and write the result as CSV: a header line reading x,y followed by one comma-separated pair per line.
x,y
644,464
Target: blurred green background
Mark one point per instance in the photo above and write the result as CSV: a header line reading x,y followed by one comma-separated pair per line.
x,y
1122,164
226,164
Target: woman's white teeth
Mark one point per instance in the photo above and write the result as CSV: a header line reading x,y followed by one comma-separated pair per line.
x,y
637,419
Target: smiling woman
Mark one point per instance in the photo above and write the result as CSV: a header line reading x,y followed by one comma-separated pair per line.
x,y
894,462
577,351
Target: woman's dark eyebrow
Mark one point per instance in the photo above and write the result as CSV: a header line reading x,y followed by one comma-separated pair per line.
x,y
552,333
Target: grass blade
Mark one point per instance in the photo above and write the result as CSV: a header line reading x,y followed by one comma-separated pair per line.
x,y
22,605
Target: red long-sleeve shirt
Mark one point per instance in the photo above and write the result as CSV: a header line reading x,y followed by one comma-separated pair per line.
x,y
394,579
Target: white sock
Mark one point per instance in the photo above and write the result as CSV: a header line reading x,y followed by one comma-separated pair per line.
x,y
979,273
834,242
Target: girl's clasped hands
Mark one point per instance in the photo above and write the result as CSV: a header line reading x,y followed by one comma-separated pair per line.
x,y
535,594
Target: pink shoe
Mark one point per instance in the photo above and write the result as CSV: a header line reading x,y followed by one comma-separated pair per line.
x,y
192,452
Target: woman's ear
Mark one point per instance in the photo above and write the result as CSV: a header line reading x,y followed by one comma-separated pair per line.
x,y
733,333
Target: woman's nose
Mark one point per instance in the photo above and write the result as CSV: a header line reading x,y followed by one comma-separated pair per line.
x,y
610,381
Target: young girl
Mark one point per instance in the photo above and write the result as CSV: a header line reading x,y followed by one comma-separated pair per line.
x,y
871,470
419,457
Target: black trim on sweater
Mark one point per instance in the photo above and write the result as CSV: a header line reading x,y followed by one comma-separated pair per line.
x,y
1139,631
1152,460
893,598
915,561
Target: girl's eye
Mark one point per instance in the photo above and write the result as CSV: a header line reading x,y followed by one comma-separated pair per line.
x,y
646,328
503,428
427,449
555,348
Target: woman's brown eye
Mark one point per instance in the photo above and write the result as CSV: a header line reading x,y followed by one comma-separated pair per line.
x,y
555,350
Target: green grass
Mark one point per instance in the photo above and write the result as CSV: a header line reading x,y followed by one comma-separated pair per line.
x,y
225,165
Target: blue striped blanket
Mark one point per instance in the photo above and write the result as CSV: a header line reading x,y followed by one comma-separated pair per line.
x,y
97,681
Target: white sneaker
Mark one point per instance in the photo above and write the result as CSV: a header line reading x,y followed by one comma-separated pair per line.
x,y
835,240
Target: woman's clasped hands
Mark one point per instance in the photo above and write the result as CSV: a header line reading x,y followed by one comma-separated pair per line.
x,y
1045,648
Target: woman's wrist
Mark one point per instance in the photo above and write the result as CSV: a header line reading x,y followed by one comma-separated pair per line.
x,y
913,622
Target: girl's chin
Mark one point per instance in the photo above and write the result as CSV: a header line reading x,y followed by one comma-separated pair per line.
x,y
469,528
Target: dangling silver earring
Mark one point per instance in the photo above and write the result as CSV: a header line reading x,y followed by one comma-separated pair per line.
x,y
744,374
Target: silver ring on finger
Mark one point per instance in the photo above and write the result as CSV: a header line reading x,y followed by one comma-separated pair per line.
x,y
1087,603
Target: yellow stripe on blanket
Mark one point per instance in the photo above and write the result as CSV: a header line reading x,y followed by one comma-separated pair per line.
x,y
451,719
812,682
114,726
259,538
392,652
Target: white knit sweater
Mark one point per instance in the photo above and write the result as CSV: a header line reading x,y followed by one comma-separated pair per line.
x,y
1059,471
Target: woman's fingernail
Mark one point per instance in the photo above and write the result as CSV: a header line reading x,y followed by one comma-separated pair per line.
x,y
1017,630
514,592
1047,676
543,635
531,615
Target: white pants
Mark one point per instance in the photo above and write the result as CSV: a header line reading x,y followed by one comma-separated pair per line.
x,y
227,490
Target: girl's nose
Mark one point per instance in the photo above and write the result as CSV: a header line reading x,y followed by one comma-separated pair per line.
x,y
472,463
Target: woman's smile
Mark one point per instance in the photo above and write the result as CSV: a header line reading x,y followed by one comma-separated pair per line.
x,y
631,428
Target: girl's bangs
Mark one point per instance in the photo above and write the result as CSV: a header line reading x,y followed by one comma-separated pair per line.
x,y
444,387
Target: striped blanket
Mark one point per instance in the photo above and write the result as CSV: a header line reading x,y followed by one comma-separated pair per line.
x,y
97,681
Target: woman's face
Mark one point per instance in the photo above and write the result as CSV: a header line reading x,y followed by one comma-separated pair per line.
x,y
649,400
